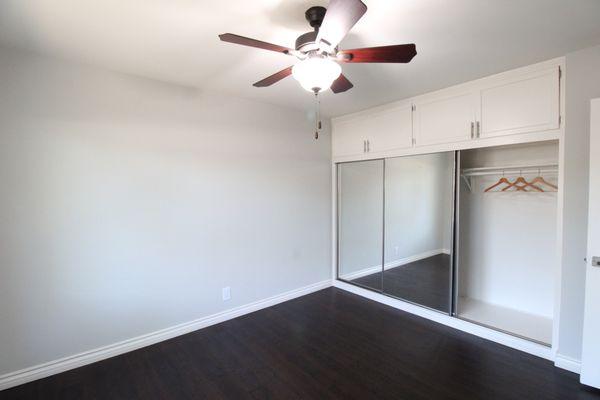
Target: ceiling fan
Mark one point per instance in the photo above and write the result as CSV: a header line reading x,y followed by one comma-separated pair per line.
x,y
318,52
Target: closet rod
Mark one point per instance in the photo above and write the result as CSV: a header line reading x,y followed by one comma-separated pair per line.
x,y
508,170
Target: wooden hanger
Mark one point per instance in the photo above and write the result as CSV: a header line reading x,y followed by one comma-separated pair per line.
x,y
540,179
500,182
520,184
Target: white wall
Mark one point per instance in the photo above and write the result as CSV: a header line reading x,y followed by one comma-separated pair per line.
x,y
583,84
508,240
127,204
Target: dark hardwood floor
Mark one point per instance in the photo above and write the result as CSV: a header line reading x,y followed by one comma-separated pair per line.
x,y
425,282
327,345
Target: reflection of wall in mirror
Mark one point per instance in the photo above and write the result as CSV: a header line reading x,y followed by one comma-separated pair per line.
x,y
360,218
418,212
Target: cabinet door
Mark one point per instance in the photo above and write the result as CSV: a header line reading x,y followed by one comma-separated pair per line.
x,y
530,103
445,119
348,136
390,129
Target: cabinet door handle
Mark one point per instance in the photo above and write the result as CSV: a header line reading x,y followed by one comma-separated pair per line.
x,y
478,129
364,146
472,130
368,146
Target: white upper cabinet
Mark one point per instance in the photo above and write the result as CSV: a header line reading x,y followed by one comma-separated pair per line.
x,y
392,129
349,136
384,129
527,103
445,118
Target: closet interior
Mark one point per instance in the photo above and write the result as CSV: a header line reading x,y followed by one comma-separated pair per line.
x,y
507,238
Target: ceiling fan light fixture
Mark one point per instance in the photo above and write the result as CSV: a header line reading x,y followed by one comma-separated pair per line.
x,y
316,74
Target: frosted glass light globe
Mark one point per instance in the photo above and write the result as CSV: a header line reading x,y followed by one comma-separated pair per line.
x,y
316,73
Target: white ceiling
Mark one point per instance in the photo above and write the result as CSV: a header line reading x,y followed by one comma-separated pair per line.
x,y
176,41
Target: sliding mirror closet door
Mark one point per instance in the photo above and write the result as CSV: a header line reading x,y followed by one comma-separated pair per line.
x,y
419,213
360,223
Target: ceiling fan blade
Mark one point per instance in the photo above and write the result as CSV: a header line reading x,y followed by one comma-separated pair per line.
x,y
341,84
341,16
244,41
268,81
401,53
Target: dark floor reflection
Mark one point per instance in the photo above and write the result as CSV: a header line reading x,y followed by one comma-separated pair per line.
x,y
425,282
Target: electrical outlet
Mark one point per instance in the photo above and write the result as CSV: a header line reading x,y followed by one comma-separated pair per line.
x,y
226,293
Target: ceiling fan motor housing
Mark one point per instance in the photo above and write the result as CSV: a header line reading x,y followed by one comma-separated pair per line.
x,y
315,16
307,41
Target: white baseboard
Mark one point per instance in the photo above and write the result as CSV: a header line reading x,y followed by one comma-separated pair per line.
x,y
393,264
444,319
567,363
64,364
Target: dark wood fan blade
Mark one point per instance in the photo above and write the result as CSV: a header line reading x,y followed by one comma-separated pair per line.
x,y
401,53
341,84
244,41
341,16
268,81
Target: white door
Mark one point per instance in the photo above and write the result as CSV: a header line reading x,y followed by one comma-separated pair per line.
x,y
590,363
446,119
390,129
349,137
528,103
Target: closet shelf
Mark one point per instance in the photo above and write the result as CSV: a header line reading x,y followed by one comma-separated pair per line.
x,y
468,173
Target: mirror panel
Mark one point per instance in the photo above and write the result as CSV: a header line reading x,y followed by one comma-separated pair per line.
x,y
360,223
419,207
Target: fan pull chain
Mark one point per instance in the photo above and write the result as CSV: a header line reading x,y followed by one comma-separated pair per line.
x,y
317,115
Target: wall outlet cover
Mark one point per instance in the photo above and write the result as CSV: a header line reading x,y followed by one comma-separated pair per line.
x,y
226,293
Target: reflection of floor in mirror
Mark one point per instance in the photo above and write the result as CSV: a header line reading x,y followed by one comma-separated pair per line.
x,y
425,282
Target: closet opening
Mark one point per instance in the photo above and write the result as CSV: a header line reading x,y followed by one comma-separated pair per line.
x,y
506,238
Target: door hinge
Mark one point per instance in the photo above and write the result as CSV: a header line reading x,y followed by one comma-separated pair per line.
x,y
559,120
414,108
559,73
